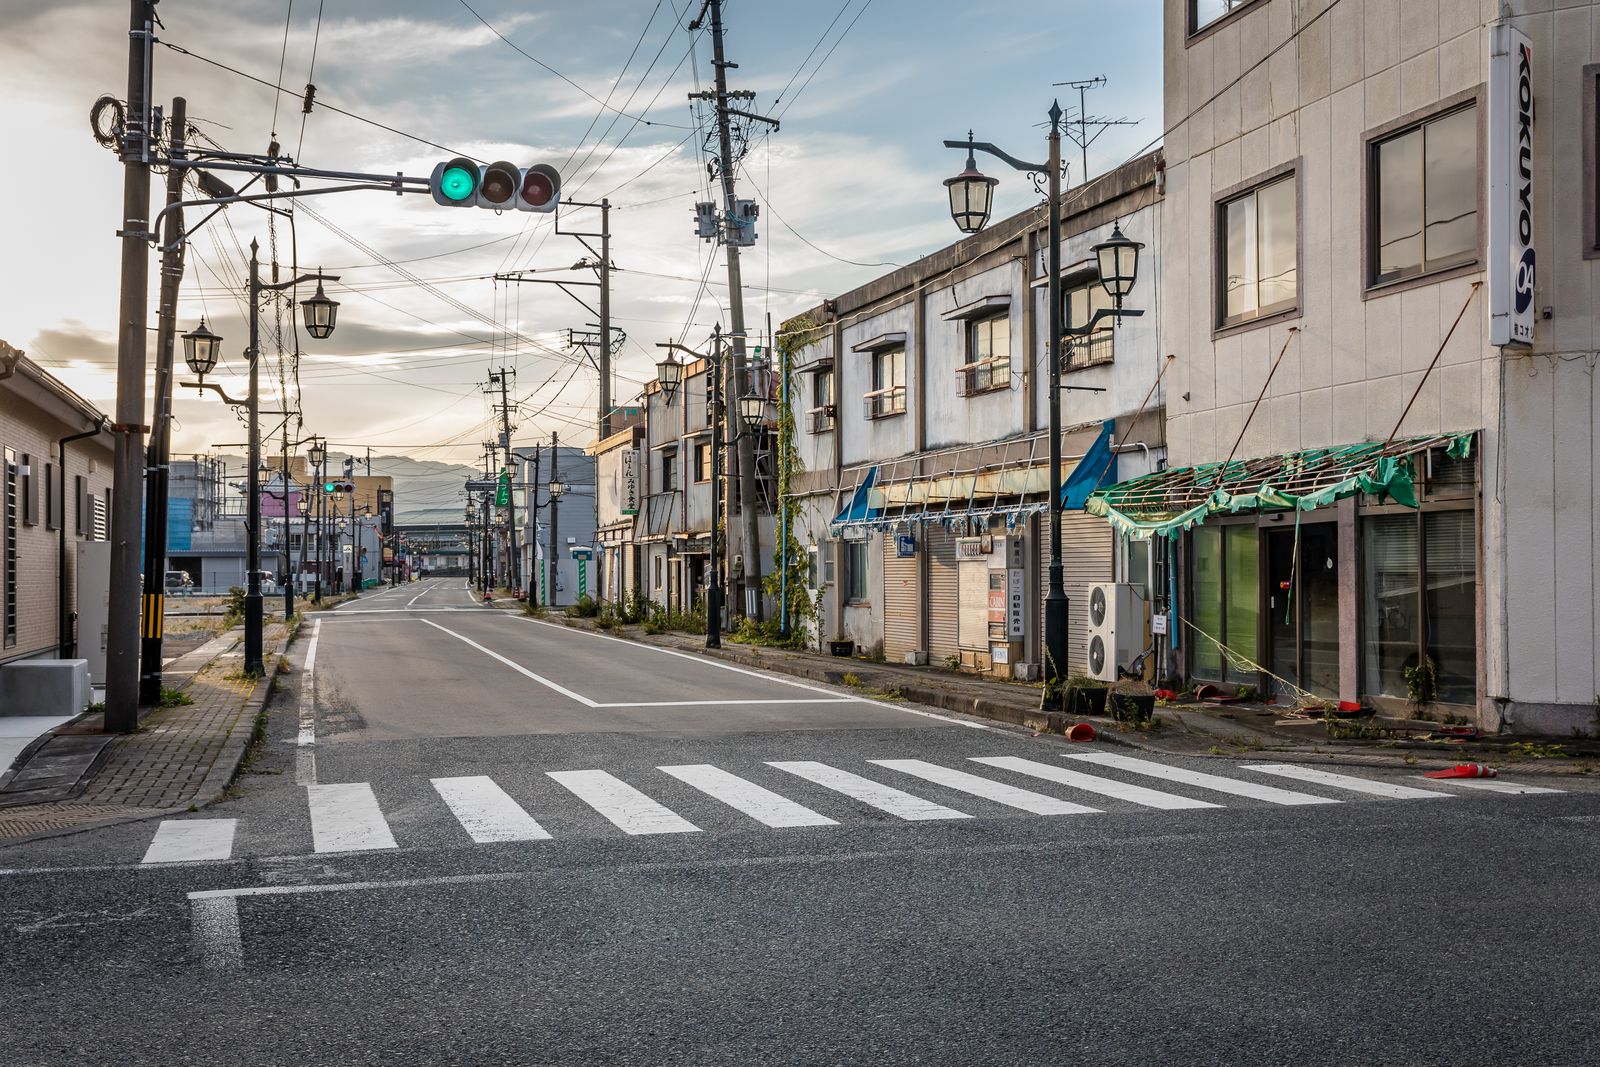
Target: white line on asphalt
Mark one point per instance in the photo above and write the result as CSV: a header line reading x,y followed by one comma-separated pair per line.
x,y
406,611
900,804
346,818
184,840
1134,794
1490,785
485,811
418,597
305,757
761,804
628,809
214,931
764,676
1343,781
1271,794
734,701
1009,795
519,668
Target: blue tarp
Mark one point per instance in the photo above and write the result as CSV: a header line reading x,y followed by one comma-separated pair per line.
x,y
1096,470
860,508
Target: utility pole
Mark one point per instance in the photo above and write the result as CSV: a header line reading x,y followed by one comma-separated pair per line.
x,y
501,378
534,592
156,456
554,563
122,631
738,373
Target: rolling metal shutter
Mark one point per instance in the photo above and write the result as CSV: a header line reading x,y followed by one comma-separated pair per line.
x,y
902,600
944,595
1087,554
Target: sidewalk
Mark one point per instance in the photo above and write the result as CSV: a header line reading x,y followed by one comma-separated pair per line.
x,y
77,778
1230,730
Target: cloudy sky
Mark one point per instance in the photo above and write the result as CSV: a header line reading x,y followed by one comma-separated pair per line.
x,y
867,90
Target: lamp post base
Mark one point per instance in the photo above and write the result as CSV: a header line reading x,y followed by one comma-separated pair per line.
x,y
714,617
253,663
1055,645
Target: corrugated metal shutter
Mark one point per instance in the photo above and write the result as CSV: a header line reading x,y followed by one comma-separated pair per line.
x,y
902,627
944,595
1087,554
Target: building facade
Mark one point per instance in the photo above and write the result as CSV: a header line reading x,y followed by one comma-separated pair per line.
x,y
1403,409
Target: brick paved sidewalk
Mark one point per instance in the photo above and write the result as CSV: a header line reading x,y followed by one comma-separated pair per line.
x,y
180,756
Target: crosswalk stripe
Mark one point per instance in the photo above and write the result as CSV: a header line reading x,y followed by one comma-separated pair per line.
x,y
885,798
486,812
1009,795
1490,785
178,840
1343,781
1135,794
762,805
1270,794
628,809
345,818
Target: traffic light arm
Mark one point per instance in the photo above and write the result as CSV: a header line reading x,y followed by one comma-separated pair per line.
x,y
254,198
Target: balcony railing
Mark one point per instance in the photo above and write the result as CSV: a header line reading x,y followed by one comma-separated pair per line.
x,y
820,419
982,376
882,403
1089,351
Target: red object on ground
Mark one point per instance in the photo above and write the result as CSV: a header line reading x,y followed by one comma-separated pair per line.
x,y
1464,770
1081,731
1349,705
1165,694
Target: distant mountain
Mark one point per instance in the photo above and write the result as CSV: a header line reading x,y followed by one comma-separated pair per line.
x,y
424,490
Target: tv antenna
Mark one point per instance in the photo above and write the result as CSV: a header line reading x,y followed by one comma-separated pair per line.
x,y
1083,138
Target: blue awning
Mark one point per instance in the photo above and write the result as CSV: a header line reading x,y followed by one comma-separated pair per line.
x,y
860,509
1096,470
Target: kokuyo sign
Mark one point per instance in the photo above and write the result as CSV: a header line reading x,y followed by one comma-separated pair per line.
x,y
1511,252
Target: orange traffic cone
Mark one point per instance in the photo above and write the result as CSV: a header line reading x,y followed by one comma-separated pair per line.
x,y
1464,770
1080,732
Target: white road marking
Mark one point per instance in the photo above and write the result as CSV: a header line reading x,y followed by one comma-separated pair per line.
x,y
519,668
764,676
1009,795
885,798
628,809
731,701
1492,785
762,805
1134,794
1268,793
214,931
305,757
1343,781
346,818
418,597
184,840
485,811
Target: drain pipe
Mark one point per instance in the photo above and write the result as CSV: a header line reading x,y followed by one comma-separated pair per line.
x,y
66,637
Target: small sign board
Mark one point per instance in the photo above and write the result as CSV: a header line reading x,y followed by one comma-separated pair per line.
x,y
974,547
630,481
581,552
1016,603
1158,625
905,545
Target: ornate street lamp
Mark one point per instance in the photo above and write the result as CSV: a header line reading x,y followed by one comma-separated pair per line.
x,y
971,194
752,411
319,312
200,348
557,488
669,373
1119,264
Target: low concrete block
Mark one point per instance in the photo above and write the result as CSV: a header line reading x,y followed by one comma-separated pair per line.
x,y
44,687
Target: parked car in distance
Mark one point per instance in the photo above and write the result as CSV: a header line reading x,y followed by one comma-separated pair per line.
x,y
178,583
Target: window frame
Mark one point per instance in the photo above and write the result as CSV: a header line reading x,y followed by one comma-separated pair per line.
x,y
1106,332
1591,161
880,399
669,470
1389,131
1221,326
1225,677
856,571
1193,32
702,462
820,416
985,366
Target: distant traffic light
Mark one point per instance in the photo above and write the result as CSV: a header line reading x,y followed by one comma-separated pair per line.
x,y
497,186
338,487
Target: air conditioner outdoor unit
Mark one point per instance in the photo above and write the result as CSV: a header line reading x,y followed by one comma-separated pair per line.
x,y
1116,627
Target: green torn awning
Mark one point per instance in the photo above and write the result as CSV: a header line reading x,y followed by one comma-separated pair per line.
x,y
1168,502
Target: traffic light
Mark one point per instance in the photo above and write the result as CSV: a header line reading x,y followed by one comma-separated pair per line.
x,y
497,186
338,487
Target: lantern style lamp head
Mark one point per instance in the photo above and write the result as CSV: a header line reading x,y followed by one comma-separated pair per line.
x,y
752,410
316,453
669,373
319,312
200,347
558,488
971,195
1119,264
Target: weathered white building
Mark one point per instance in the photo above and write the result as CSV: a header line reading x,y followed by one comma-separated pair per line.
x,y
1357,193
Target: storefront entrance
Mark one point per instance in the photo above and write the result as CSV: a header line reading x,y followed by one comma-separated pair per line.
x,y
1302,605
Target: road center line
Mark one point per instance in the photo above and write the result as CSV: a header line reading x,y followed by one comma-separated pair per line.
x,y
519,668
305,758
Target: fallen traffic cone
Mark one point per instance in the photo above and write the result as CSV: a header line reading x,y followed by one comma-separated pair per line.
x,y
1081,731
1464,770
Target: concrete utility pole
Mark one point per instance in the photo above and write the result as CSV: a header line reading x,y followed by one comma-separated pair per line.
x,y
122,631
501,378
534,594
737,373
155,495
554,562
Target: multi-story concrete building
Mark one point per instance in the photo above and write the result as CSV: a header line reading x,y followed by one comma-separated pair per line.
x,y
55,484
619,494
1357,191
921,405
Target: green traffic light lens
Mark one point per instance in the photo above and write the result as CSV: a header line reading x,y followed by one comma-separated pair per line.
x,y
458,183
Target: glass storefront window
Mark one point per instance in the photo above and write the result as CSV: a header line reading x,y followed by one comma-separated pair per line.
x,y
1205,549
1226,599
1450,548
1420,599
1389,608
1243,601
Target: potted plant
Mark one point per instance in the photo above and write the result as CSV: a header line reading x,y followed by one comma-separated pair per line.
x,y
1131,700
842,646
1086,695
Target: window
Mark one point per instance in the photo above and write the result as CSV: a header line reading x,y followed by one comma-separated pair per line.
x,y
855,571
1591,161
1258,244
888,395
1079,303
1203,13
1424,188
658,572
819,419
1420,602
52,519
669,471
8,547
702,462
1225,600
988,355
81,509
30,492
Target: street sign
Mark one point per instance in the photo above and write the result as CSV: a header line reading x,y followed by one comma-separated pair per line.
x,y
502,491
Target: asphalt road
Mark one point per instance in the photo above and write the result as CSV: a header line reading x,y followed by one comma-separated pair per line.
x,y
473,838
